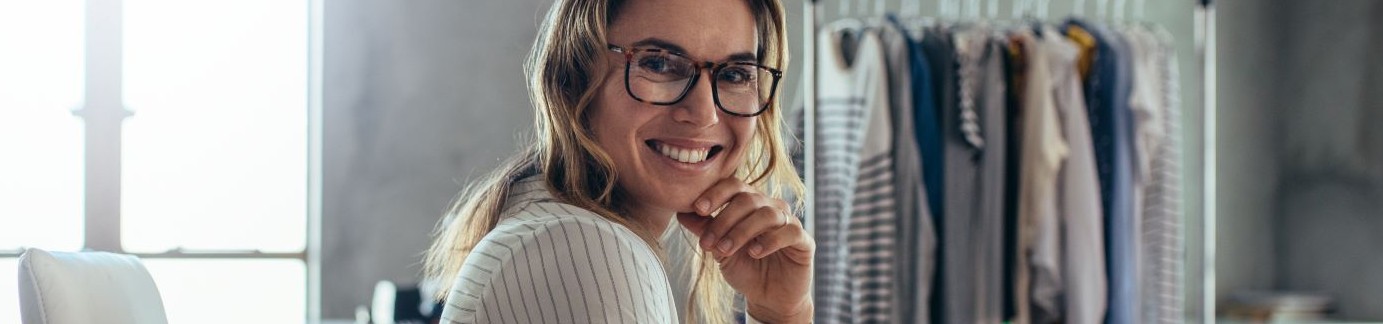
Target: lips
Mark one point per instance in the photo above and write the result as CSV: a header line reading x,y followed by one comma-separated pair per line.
x,y
690,153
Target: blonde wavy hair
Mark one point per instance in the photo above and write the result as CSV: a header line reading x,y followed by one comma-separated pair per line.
x,y
565,70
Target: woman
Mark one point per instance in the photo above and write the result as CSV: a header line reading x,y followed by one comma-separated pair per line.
x,y
647,111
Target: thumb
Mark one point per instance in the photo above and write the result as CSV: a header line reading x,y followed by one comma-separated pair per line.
x,y
693,222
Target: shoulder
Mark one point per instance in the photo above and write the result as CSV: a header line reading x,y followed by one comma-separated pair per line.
x,y
533,215
557,259
553,227
535,224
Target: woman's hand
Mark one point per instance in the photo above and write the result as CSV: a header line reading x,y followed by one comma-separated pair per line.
x,y
763,251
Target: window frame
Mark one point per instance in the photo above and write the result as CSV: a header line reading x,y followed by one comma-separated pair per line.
x,y
103,113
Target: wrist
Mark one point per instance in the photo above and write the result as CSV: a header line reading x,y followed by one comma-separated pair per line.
x,y
799,313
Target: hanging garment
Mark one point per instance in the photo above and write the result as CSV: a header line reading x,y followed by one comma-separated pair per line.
x,y
936,44
1145,107
1159,122
850,89
993,179
1062,240
916,237
1044,149
873,232
974,181
927,132
927,122
1082,218
1107,94
1016,71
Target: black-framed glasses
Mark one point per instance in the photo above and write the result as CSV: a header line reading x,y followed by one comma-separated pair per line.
x,y
663,77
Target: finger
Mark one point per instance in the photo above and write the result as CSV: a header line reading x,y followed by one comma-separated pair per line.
x,y
694,223
719,194
786,237
740,207
762,220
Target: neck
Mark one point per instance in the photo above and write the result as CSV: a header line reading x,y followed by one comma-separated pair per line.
x,y
654,219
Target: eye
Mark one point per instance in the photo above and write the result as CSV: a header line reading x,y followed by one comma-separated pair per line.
x,y
737,75
662,64
653,63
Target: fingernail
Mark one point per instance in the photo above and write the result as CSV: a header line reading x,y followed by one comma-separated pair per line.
x,y
707,241
703,206
755,249
724,246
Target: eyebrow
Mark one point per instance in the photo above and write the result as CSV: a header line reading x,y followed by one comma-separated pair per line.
x,y
670,46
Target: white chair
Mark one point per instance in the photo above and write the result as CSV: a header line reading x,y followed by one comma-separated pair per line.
x,y
86,287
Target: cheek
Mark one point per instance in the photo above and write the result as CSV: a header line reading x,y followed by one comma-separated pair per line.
x,y
605,113
744,131
614,121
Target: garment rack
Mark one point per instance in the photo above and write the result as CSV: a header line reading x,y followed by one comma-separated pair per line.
x,y
1205,46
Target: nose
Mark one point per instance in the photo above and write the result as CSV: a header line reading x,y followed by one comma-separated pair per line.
x,y
699,107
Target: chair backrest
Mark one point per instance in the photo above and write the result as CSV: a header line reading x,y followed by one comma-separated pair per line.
x,y
86,287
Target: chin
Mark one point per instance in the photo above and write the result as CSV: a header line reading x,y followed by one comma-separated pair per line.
x,y
677,197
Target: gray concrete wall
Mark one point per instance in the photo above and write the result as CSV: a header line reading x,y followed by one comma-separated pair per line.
x,y
1250,63
1331,194
421,95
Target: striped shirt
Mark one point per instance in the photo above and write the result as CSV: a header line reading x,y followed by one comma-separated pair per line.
x,y
854,194
550,262
1160,192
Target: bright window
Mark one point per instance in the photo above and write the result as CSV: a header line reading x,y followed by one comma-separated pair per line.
x,y
213,157
41,140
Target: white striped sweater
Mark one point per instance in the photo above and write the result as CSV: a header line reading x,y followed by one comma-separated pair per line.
x,y
550,262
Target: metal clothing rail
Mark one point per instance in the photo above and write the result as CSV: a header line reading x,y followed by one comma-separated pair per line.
x,y
1204,17
1206,50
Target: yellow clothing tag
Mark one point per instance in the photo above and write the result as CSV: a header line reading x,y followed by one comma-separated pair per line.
x,y
1086,42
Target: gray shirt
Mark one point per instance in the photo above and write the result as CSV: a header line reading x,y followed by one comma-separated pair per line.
x,y
916,248
972,227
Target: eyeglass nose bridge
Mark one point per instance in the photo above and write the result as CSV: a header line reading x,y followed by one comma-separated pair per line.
x,y
710,68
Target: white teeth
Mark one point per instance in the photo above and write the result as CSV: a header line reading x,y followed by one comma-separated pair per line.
x,y
684,155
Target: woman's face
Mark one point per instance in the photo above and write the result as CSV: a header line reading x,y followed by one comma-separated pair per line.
x,y
636,134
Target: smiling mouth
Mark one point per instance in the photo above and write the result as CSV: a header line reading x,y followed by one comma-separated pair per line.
x,y
684,154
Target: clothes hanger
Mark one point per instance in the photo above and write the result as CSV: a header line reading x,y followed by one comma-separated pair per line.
x,y
1020,8
993,9
845,23
1139,9
1119,6
916,24
910,8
